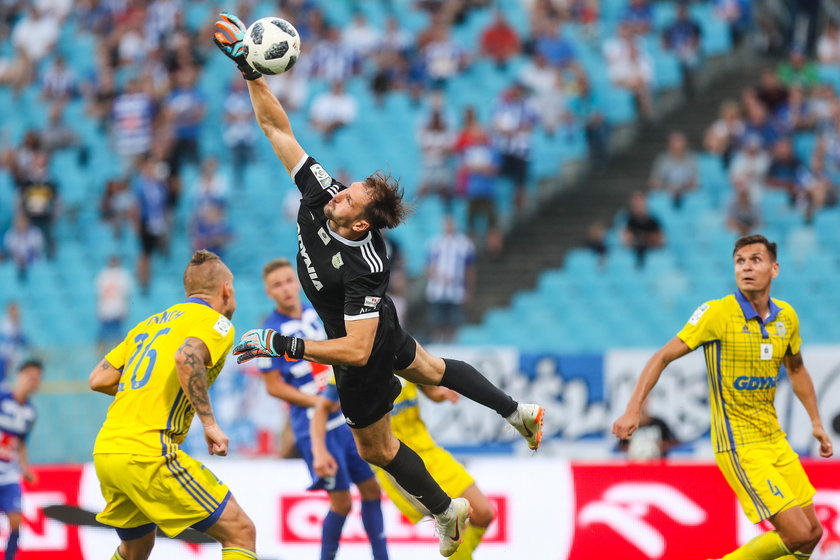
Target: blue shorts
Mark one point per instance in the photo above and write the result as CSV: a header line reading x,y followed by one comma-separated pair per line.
x,y
10,498
351,467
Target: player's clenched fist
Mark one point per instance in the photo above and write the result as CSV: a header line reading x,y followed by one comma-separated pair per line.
x,y
267,343
625,425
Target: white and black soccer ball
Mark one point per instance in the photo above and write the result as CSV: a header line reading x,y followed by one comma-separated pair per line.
x,y
272,45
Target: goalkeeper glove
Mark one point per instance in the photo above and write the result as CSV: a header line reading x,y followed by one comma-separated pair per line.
x,y
267,343
230,38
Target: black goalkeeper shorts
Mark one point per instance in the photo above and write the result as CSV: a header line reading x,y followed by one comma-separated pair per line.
x,y
367,393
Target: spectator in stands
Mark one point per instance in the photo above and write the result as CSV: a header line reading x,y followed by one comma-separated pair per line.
x,y
725,133
499,40
638,17
596,241
759,124
682,38
184,111
101,94
38,199
331,61
784,168
796,114
443,58
630,67
642,231
481,170
395,39
743,215
291,88
549,42
23,244
212,186
116,204
748,169
771,91
436,140
450,274
471,132
35,34
150,211
675,170
57,135
822,103
549,97
19,160
132,43
798,70
333,110
240,133
211,229
13,341
360,36
814,187
113,287
828,46
737,14
514,119
59,81
132,121
392,73
591,114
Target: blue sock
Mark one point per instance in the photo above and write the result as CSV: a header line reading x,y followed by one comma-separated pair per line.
x,y
333,523
375,528
11,545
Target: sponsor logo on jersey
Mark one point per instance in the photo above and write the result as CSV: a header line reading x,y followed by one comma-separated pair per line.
x,y
749,383
222,326
695,317
321,175
308,262
781,329
324,236
337,261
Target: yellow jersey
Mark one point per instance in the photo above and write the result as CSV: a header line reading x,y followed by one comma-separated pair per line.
x,y
151,414
406,422
743,356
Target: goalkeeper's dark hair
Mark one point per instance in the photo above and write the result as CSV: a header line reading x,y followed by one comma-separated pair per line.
x,y
204,272
386,208
755,239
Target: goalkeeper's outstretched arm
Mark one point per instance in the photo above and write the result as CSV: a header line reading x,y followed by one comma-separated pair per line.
x,y
274,123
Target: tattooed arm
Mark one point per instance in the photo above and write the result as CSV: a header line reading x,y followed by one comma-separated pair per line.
x,y
191,361
104,378
803,387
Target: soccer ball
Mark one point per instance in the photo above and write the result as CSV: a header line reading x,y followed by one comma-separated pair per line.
x,y
272,45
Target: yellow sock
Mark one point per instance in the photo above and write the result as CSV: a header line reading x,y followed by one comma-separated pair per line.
x,y
472,538
117,555
796,556
238,554
767,546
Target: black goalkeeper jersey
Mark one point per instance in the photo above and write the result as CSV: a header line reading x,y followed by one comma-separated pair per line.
x,y
344,280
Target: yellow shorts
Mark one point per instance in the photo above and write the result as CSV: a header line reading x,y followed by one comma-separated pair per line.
x,y
449,473
767,477
173,492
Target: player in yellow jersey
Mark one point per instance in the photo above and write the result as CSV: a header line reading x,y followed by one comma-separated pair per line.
x,y
746,337
409,428
159,376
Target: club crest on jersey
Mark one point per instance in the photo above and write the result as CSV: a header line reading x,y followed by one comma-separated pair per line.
x,y
321,175
781,329
337,261
746,329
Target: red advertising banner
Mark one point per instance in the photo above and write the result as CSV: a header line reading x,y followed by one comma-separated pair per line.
x,y
556,510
